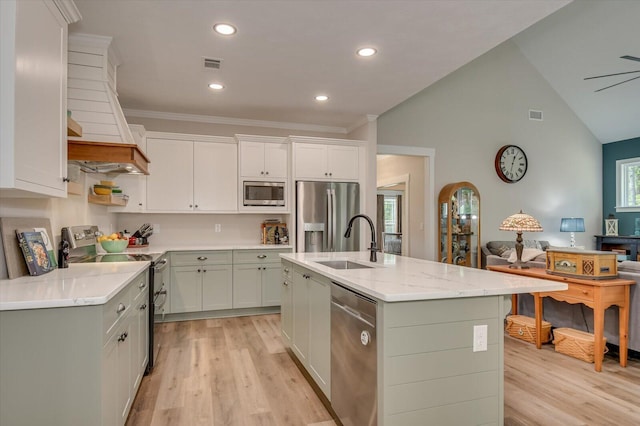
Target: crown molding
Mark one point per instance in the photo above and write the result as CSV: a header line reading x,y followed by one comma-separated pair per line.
x,y
69,10
369,118
232,121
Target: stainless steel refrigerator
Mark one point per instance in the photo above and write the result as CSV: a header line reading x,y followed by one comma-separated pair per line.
x,y
323,210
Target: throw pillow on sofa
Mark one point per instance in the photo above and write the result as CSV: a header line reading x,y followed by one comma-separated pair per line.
x,y
527,254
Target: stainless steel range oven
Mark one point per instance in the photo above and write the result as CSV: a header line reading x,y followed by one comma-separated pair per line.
x,y
82,249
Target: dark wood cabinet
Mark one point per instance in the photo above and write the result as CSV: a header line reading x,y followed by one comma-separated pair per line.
x,y
630,244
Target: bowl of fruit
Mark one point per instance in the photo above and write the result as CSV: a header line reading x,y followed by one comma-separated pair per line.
x,y
113,243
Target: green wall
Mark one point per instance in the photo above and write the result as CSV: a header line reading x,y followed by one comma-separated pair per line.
x,y
611,152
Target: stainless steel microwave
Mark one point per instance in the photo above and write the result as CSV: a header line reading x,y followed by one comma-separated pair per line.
x,y
257,193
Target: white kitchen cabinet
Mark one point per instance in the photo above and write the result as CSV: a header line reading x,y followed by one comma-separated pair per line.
x,y
247,283
189,175
286,302
214,176
33,87
263,157
201,281
316,161
140,338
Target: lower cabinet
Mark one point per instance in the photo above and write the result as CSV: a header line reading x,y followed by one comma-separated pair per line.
x,y
286,302
311,328
74,365
256,278
201,281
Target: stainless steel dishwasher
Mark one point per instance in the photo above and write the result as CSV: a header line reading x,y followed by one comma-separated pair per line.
x,y
354,395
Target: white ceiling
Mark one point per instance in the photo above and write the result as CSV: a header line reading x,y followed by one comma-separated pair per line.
x,y
587,38
286,52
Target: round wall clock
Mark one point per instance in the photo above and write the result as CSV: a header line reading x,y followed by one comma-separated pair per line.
x,y
511,163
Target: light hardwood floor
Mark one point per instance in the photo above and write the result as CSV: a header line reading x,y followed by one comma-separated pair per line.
x,y
235,371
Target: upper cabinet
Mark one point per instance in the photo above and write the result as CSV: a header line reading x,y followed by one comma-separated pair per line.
x,y
263,157
191,173
134,185
33,87
326,159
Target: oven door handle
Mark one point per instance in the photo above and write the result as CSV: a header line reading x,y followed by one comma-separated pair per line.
x,y
160,265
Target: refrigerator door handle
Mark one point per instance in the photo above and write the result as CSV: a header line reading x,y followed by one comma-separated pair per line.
x,y
333,219
329,221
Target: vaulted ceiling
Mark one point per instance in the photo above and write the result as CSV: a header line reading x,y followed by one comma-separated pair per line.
x,y
286,52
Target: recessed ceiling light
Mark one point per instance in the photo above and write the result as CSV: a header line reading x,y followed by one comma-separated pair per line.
x,y
366,51
224,29
322,98
216,86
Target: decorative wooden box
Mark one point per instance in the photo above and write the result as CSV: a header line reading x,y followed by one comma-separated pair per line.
x,y
524,328
576,343
588,264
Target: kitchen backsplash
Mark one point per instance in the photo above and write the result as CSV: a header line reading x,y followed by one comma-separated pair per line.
x,y
199,229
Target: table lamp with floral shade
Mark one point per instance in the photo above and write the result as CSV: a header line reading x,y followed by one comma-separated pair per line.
x,y
520,222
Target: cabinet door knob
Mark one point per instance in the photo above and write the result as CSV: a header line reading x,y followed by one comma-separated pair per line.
x,y
204,270
286,270
196,206
142,285
198,270
266,173
261,256
262,172
190,206
326,174
285,283
121,308
66,179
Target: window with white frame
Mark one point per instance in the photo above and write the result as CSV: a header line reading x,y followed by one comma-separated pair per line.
x,y
628,185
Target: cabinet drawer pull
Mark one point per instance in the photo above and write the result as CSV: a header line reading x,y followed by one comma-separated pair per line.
x,y
262,256
202,258
123,337
121,308
143,307
585,292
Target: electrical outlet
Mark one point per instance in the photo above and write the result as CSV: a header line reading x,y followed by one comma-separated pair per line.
x,y
480,338
218,227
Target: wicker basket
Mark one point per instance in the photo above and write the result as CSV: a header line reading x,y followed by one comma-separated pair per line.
x,y
524,328
576,343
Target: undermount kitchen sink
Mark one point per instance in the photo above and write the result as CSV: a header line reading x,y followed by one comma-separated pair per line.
x,y
343,264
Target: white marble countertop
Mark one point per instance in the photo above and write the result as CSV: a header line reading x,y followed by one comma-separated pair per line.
x,y
92,283
398,279
78,285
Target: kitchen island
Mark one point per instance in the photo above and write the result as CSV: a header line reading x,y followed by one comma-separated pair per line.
x,y
429,318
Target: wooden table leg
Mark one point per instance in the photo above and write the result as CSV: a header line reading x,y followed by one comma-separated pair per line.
x,y
623,329
538,309
514,304
598,329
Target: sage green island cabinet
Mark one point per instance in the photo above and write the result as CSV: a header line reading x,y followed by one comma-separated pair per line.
x,y
311,341
286,302
439,336
72,358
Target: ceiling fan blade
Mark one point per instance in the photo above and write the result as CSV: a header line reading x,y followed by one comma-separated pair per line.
x,y
617,84
629,57
611,75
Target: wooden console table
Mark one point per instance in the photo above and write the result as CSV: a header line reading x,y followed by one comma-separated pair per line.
x,y
596,294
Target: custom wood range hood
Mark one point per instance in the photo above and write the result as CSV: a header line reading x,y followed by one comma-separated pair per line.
x,y
107,157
